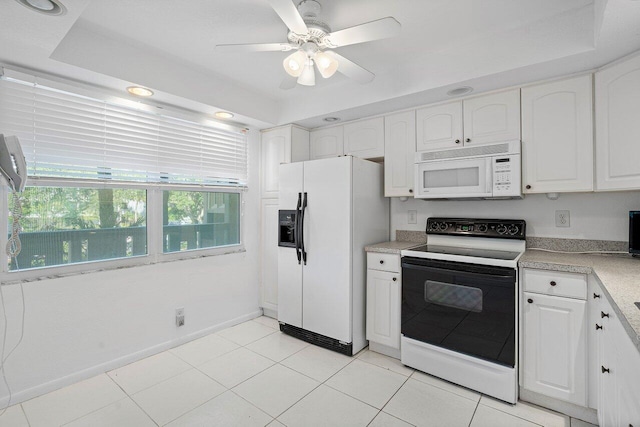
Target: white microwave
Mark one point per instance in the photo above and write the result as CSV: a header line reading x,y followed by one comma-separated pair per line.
x,y
480,172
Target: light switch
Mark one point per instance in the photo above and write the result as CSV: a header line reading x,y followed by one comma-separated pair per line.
x,y
412,217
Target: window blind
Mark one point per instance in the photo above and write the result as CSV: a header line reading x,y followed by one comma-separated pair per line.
x,y
69,135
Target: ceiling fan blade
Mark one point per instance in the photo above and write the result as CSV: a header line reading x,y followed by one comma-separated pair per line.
x,y
351,69
255,47
374,30
289,82
288,12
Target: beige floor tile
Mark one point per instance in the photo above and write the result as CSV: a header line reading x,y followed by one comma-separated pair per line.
x,y
317,363
204,349
529,412
446,385
246,332
144,373
235,367
277,346
489,417
123,413
385,362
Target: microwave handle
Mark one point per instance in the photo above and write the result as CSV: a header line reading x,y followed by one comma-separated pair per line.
x,y
489,174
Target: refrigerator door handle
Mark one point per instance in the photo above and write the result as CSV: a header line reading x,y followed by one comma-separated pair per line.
x,y
304,207
296,226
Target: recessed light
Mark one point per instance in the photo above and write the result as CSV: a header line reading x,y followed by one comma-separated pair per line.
x,y
48,7
139,91
331,119
224,115
460,91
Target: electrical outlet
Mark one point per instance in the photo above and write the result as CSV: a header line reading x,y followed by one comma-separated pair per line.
x,y
412,217
180,316
563,219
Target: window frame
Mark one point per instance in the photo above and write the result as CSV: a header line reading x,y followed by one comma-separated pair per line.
x,y
154,222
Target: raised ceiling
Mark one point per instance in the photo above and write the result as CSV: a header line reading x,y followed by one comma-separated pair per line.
x,y
169,46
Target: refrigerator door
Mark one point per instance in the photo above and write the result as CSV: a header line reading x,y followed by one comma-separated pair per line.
x,y
327,292
289,270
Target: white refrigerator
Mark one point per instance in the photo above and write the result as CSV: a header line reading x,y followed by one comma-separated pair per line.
x,y
339,208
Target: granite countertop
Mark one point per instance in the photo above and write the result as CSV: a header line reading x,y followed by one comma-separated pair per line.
x,y
618,274
393,247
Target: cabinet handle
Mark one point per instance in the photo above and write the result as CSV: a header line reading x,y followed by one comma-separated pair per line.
x,y
468,140
529,300
457,141
598,327
381,261
552,283
395,279
595,295
604,370
603,314
411,190
528,187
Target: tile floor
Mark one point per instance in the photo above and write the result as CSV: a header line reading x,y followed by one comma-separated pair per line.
x,y
253,375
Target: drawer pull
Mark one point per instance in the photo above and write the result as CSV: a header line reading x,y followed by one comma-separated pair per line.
x,y
395,279
529,300
605,370
603,314
595,295
553,283
381,261
598,327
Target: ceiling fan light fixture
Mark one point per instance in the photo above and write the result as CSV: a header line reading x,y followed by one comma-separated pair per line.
x,y
326,64
308,76
294,64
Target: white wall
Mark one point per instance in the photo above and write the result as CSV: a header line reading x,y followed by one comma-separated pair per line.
x,y
599,216
78,326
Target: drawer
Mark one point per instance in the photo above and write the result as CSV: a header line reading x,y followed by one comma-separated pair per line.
x,y
383,262
558,283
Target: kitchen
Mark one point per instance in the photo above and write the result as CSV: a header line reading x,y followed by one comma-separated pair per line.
x,y
592,214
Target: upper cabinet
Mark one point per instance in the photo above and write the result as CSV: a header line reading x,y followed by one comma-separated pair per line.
x,y
557,136
399,154
492,118
474,121
364,138
618,126
284,144
327,142
439,126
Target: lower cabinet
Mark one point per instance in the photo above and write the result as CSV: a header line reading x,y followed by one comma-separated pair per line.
x,y
269,255
384,294
554,347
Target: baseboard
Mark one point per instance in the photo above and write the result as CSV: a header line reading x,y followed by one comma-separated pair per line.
x,y
270,313
384,349
574,411
30,393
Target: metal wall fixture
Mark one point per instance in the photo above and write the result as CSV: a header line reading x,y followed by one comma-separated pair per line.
x,y
47,7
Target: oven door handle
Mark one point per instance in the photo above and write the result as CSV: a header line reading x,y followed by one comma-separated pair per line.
x,y
459,272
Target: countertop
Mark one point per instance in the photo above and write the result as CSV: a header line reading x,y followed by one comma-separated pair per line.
x,y
618,274
393,247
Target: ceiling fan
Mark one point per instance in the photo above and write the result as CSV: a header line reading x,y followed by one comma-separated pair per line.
x,y
313,40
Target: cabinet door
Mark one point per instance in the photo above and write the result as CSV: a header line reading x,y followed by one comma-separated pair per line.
x,y
326,143
618,126
492,118
595,299
557,136
365,139
269,255
383,307
554,347
439,126
276,149
399,154
607,371
627,378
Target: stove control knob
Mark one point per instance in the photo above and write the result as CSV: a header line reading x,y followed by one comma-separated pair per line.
x,y
433,226
513,229
482,228
501,229
444,226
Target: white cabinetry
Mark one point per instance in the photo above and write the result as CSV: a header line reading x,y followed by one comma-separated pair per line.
x,y
269,254
364,138
618,126
327,142
439,126
557,136
554,337
284,144
492,118
475,121
399,154
384,294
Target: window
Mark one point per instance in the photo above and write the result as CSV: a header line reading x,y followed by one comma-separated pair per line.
x,y
199,219
71,225
98,164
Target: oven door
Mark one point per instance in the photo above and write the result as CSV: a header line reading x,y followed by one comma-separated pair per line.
x,y
454,178
467,308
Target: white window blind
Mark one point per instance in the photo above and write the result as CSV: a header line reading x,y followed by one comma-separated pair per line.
x,y
68,135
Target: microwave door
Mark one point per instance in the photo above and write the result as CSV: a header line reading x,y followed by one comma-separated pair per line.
x,y
454,178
